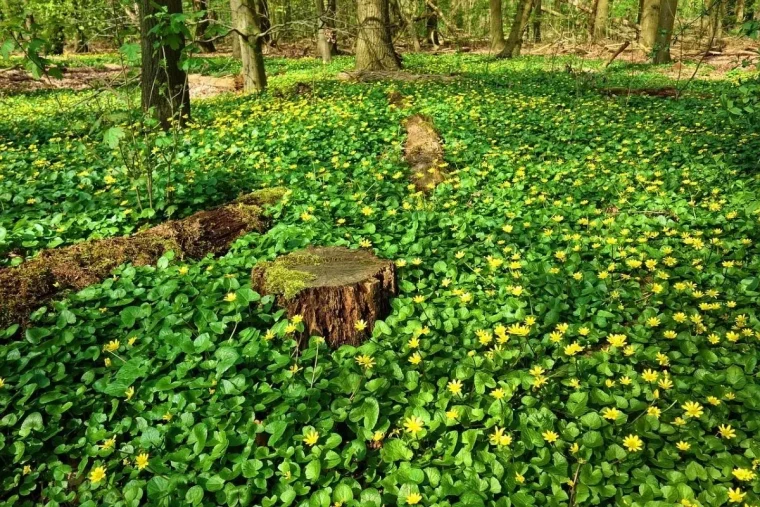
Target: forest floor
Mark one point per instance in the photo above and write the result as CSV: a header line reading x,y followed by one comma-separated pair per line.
x,y
577,317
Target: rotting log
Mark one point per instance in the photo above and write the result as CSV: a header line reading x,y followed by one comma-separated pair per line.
x,y
338,292
423,151
371,76
28,286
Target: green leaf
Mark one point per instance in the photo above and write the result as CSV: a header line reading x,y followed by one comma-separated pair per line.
x,y
313,469
33,422
194,495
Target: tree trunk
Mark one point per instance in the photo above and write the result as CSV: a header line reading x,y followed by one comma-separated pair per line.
x,y
235,46
339,293
638,13
265,20
203,24
374,48
716,22
665,31
650,19
57,40
756,12
324,34
408,22
431,23
740,4
163,84
537,16
600,19
497,26
331,13
245,19
516,30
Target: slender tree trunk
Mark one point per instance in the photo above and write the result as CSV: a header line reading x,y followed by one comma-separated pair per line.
x,y
639,12
323,34
57,40
235,46
265,20
374,48
650,19
601,18
665,31
431,23
516,30
163,84
537,17
331,14
245,20
716,22
408,23
203,24
740,5
497,26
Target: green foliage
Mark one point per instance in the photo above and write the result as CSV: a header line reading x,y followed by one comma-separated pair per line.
x,y
586,254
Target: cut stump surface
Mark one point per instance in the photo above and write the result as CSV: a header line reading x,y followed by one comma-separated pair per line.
x,y
332,288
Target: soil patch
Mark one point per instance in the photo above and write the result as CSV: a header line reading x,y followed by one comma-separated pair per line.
x,y
423,151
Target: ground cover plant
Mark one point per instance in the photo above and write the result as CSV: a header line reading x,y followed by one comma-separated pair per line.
x,y
577,320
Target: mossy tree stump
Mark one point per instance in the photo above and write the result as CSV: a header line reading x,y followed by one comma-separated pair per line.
x,y
332,288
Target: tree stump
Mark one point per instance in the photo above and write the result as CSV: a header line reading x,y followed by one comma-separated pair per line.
x,y
337,291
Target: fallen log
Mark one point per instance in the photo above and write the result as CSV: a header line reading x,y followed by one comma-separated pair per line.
x,y
371,76
339,293
648,92
28,286
423,151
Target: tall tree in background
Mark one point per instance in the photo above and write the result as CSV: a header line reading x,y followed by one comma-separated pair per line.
x,y
497,26
327,40
601,16
374,47
522,15
431,22
206,46
650,19
246,22
537,17
163,83
265,20
665,31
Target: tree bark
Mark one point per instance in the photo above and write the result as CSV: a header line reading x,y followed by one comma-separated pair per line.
x,y
716,22
408,22
537,17
601,18
739,12
374,48
431,22
343,292
265,21
665,31
163,84
235,45
522,15
245,19
203,24
323,34
331,13
650,19
497,26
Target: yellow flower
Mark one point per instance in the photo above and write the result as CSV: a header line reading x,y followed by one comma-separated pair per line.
x,y
378,436
414,342
744,474
498,393
610,413
653,322
98,474
650,375
550,436
573,349
633,443
455,386
519,478
413,498
132,341
141,461
109,444
736,495
537,371
419,299
452,414
107,361
365,361
575,448
415,358
129,392
726,431
230,297
112,346
311,438
413,424
712,400
2,382
617,340
518,330
167,417
184,270
683,446
27,469
360,325
665,383
692,409
626,380
654,412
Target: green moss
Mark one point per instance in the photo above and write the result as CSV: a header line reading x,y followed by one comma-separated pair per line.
x,y
285,281
266,195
